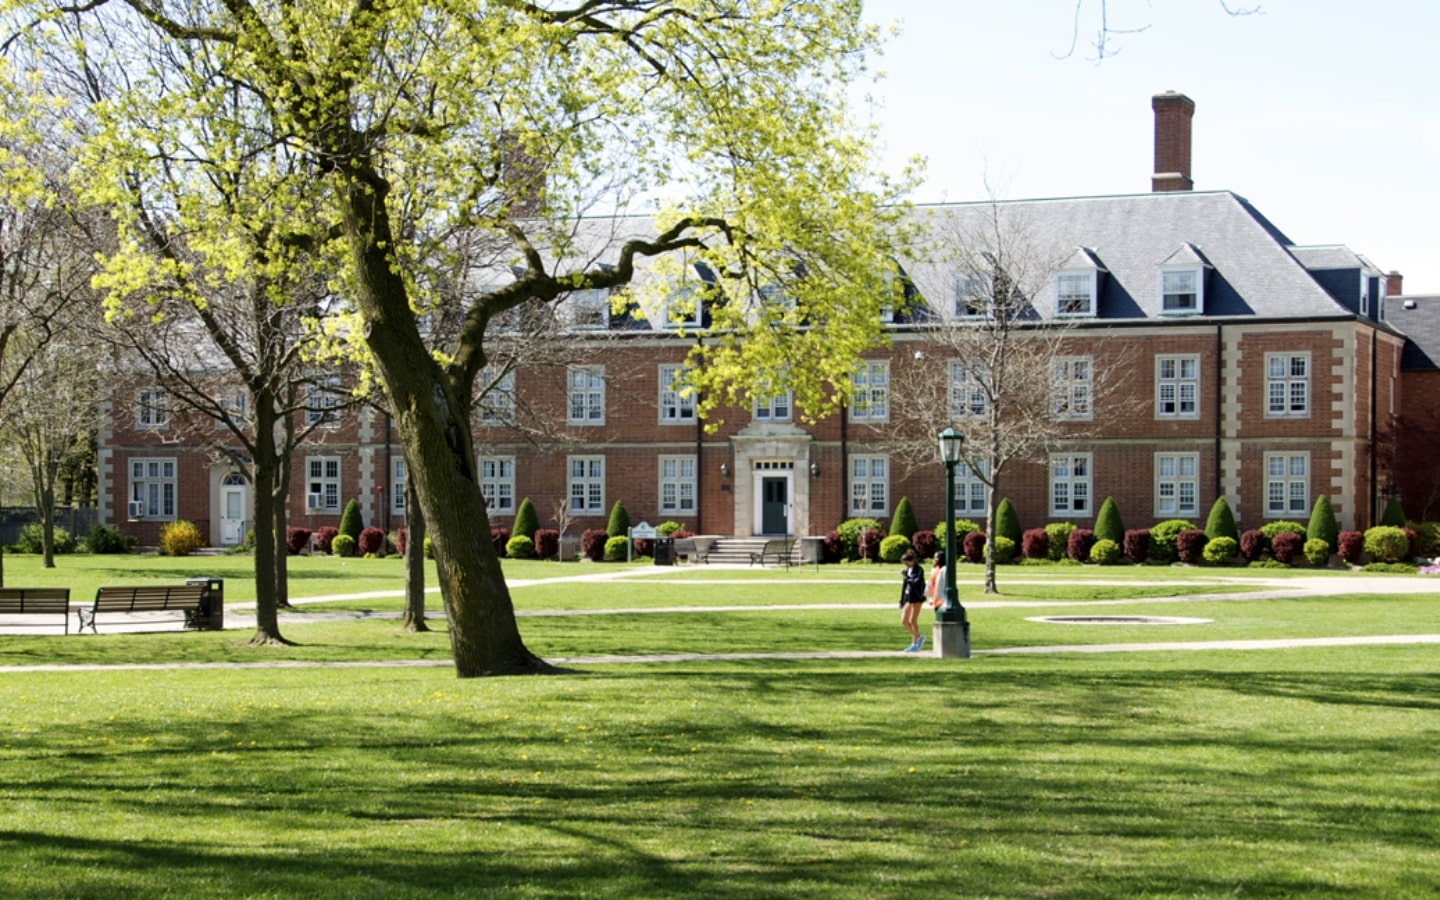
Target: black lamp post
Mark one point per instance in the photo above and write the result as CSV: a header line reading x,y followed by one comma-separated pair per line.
x,y
952,629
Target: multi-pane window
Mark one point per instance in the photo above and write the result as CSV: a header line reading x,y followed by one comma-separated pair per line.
x,y
1287,384
1287,484
869,485
152,488
1180,291
677,403
969,297
322,484
589,308
497,484
1070,484
587,395
1177,484
970,491
322,399
398,476
967,390
677,485
497,402
587,485
1075,293
870,397
152,408
774,408
1072,381
1177,387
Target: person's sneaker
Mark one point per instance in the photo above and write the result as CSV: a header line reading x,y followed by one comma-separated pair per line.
x,y
919,643
913,647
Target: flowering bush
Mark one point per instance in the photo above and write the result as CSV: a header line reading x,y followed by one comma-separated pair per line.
x,y
1079,544
1035,544
1137,545
1190,545
1253,544
180,538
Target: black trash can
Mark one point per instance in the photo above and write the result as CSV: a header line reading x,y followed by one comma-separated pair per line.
x,y
211,616
664,551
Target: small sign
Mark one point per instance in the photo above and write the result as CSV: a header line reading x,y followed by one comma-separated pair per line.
x,y
643,532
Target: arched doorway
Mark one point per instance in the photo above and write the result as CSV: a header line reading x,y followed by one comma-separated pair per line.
x,y
234,506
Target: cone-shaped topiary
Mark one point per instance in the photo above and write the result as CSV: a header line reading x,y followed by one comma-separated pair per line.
x,y
1221,522
1108,526
903,522
1007,523
1394,514
527,522
1323,526
350,522
619,521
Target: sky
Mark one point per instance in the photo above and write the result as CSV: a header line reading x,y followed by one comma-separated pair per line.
x,y
1324,114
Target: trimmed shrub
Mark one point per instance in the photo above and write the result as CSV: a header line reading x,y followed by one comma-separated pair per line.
x,y
925,544
619,521
108,539
372,542
1007,522
1162,539
1105,552
668,527
1253,544
974,544
1058,534
428,547
903,523
1394,514
1108,525
1281,526
296,538
323,536
1414,542
1317,551
894,547
1137,545
1323,525
616,548
32,540
1004,549
1221,550
1190,546
1265,563
350,521
1035,544
499,537
547,543
1352,546
343,545
1287,547
520,547
868,544
400,540
1395,568
833,547
849,531
644,547
527,521
1386,543
1429,533
1079,544
1221,521
592,544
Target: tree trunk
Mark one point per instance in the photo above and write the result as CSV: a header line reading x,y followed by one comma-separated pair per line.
x,y
45,500
414,616
265,468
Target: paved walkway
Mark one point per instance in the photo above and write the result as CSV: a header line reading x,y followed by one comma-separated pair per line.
x,y
1267,588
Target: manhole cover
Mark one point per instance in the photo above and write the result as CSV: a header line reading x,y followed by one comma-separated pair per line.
x,y
1119,620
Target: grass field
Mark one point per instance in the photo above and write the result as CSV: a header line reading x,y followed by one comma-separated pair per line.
x,y
1283,773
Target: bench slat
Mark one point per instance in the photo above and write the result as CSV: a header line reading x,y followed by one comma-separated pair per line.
x,y
143,598
36,602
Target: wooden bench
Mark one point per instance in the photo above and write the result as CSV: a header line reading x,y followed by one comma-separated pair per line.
x,y
180,598
692,552
36,602
776,550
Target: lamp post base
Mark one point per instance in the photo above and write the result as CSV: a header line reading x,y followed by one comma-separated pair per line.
x,y
952,640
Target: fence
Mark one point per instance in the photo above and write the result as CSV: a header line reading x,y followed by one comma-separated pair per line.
x,y
76,521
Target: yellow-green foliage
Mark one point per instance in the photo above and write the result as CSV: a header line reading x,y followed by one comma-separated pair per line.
x,y
180,538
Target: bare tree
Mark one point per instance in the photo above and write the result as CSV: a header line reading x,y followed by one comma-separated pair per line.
x,y
1106,31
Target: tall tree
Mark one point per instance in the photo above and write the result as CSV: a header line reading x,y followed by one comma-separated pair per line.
x,y
426,119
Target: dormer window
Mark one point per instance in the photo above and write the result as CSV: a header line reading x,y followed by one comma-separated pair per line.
x,y
685,308
590,308
1180,291
969,297
1075,293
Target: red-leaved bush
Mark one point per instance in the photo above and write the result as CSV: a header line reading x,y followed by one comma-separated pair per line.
x,y
832,547
1137,545
400,534
1253,544
296,538
1078,547
1414,542
1352,546
1287,547
1190,546
372,540
323,536
1035,544
869,544
499,537
547,543
592,543
974,546
643,547
924,544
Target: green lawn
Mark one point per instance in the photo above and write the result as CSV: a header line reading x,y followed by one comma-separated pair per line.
x,y
1297,772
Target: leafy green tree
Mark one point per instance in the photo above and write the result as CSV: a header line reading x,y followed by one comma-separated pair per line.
x,y
619,521
351,522
1007,522
1108,525
527,521
1221,521
1394,514
903,521
1322,525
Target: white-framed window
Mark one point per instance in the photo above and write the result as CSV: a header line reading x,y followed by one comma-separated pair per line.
x,y
589,308
970,491
497,403
152,408
968,397
1075,293
1180,291
1073,382
1287,485
1177,485
234,401
1287,385
1177,387
774,408
677,404
677,485
322,399
969,297
587,395
322,484
685,308
497,484
869,485
870,394
398,476
586,485
1070,484
153,487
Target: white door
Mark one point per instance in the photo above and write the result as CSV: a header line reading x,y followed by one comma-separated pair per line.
x,y
234,501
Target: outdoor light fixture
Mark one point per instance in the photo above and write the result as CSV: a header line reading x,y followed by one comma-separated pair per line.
x,y
815,470
724,470
952,629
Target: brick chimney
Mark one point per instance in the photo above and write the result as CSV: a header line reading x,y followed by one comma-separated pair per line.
x,y
1172,142
1394,284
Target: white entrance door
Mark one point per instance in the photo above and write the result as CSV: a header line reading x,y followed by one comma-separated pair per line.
x,y
234,501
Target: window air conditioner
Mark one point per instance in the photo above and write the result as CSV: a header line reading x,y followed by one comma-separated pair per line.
x,y
315,501
135,509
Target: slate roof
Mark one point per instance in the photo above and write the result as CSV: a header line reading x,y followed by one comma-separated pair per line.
x,y
1418,317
